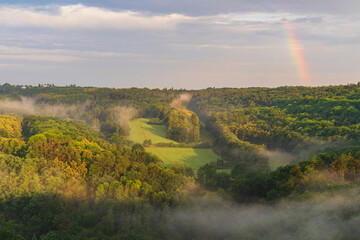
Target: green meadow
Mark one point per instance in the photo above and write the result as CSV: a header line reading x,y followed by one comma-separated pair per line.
x,y
140,130
193,157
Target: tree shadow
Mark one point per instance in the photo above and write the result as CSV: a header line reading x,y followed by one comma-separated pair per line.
x,y
201,157
158,130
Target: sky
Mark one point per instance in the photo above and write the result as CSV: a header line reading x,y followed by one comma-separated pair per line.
x,y
180,44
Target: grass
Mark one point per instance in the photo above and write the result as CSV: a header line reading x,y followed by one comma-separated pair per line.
x,y
140,130
193,157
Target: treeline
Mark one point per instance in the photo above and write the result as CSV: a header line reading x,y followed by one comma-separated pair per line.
x,y
136,97
229,99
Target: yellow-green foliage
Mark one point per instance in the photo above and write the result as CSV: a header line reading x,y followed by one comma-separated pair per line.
x,y
12,146
10,126
183,126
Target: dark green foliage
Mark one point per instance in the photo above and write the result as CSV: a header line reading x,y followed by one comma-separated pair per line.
x,y
110,128
183,169
208,176
147,143
8,231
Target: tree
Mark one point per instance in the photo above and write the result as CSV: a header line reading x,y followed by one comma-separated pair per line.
x,y
340,165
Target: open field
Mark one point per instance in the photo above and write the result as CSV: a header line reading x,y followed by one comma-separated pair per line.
x,y
140,130
193,157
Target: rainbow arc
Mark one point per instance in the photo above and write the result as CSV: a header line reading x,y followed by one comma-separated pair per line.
x,y
297,53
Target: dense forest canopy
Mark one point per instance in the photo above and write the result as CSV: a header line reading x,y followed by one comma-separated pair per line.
x,y
68,170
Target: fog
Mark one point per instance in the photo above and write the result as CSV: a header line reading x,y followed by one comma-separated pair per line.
x,y
330,216
278,158
181,100
123,115
26,106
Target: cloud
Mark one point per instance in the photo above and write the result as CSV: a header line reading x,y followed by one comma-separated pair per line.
x,y
44,57
310,19
225,46
228,47
262,19
53,55
213,7
85,17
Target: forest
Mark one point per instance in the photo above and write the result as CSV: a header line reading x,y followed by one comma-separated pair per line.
x,y
69,170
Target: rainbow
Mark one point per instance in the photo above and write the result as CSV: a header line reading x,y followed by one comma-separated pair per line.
x,y
297,54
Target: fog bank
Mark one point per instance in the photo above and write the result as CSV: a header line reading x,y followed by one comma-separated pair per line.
x,y
326,217
181,100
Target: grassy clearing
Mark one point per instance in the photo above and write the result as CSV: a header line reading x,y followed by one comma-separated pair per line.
x,y
193,157
140,130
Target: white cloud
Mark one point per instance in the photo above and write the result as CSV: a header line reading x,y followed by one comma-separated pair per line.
x,y
9,65
53,55
222,46
85,17
255,18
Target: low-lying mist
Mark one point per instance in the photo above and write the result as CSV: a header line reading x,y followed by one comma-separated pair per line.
x,y
82,111
181,100
123,115
280,157
335,216
28,106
